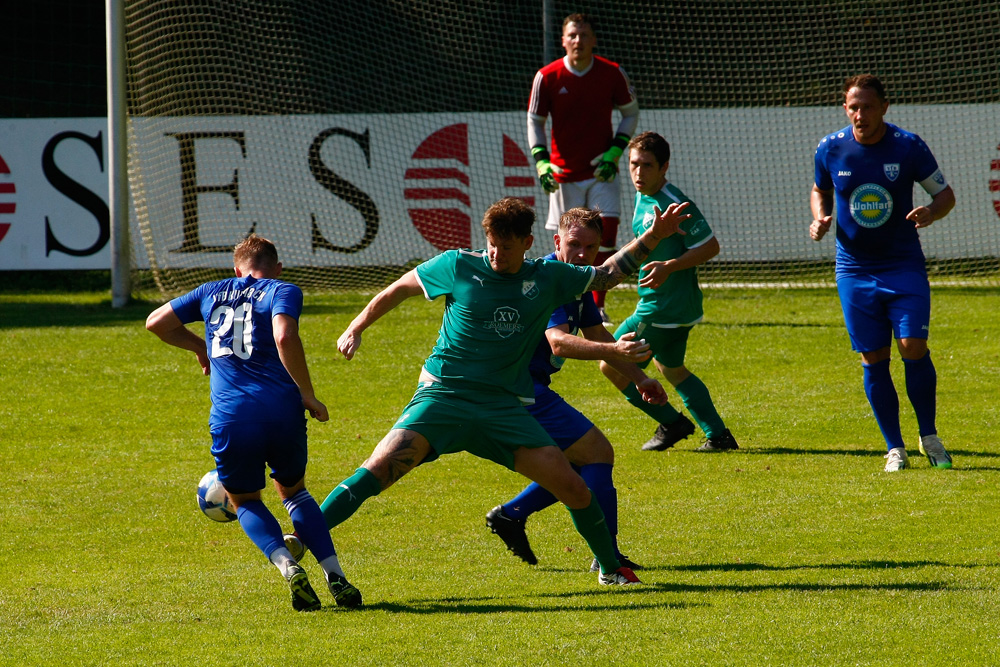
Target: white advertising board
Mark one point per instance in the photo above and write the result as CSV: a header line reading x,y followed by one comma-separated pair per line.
x,y
381,189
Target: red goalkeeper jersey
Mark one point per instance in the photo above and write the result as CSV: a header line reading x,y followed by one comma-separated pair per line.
x,y
580,107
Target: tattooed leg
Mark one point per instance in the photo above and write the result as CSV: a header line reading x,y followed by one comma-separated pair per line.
x,y
399,452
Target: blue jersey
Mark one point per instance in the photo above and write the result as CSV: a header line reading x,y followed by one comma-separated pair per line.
x,y
577,314
248,380
873,187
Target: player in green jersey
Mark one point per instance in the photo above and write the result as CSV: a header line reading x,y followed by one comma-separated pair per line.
x,y
474,385
670,302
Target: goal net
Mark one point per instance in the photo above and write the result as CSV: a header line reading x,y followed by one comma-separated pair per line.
x,y
364,137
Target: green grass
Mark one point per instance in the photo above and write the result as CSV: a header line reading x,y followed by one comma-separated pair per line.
x,y
795,550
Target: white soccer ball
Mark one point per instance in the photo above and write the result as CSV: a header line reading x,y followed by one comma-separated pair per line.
x,y
213,499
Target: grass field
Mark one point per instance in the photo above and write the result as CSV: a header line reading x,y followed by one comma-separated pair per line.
x,y
795,550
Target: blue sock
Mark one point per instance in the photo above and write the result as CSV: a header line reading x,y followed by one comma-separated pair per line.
x,y
598,478
921,388
260,526
884,401
533,498
310,525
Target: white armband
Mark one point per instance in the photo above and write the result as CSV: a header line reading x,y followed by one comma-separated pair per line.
x,y
934,183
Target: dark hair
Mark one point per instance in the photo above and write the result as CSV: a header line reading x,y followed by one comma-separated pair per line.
x,y
579,19
509,218
652,143
869,81
255,253
581,217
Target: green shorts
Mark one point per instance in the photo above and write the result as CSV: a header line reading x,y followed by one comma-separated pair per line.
x,y
490,425
669,345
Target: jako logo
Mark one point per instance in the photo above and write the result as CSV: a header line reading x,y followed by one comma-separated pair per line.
x,y
7,190
441,176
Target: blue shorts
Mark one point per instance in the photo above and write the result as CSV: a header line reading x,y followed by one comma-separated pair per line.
x,y
879,306
560,420
242,450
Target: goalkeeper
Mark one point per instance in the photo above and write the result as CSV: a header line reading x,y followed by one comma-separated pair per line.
x,y
580,91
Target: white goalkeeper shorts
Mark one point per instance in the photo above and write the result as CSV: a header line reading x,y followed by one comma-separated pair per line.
x,y
591,193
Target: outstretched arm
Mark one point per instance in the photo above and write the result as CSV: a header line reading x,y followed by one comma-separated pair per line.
x,y
595,346
293,358
628,259
168,327
651,390
382,303
598,343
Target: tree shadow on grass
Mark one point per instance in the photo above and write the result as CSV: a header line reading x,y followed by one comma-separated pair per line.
x,y
849,565
956,453
495,605
41,314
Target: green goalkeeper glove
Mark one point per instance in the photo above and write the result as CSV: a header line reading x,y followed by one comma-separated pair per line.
x,y
546,170
607,164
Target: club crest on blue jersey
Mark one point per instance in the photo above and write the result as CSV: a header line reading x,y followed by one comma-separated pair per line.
x,y
871,205
529,289
505,322
891,171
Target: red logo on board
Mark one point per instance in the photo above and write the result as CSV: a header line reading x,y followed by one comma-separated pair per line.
x,y
995,183
7,203
440,176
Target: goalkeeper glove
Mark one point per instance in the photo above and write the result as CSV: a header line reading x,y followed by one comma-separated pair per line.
x,y
607,164
546,170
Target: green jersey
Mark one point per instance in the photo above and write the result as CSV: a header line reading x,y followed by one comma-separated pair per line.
x,y
492,322
677,302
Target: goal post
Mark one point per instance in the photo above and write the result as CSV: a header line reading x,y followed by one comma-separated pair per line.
x,y
365,137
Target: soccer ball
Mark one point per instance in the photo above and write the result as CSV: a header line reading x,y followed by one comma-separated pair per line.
x,y
213,500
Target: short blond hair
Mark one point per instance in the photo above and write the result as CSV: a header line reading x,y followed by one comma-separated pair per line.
x,y
255,253
581,217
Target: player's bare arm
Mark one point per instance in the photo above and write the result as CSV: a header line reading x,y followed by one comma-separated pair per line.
x,y
293,358
592,347
940,206
821,203
625,362
168,327
658,272
624,262
382,303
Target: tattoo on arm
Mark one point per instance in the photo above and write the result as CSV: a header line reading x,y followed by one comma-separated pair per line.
x,y
623,263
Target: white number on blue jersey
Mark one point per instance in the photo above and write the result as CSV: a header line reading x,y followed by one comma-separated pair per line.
x,y
240,320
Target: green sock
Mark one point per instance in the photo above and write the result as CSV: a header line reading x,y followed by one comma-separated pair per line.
x,y
699,403
591,525
663,414
345,500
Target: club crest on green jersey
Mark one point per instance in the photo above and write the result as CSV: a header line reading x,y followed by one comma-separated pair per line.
x,y
529,289
505,322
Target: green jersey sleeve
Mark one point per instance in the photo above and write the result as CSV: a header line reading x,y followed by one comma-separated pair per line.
x,y
437,275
